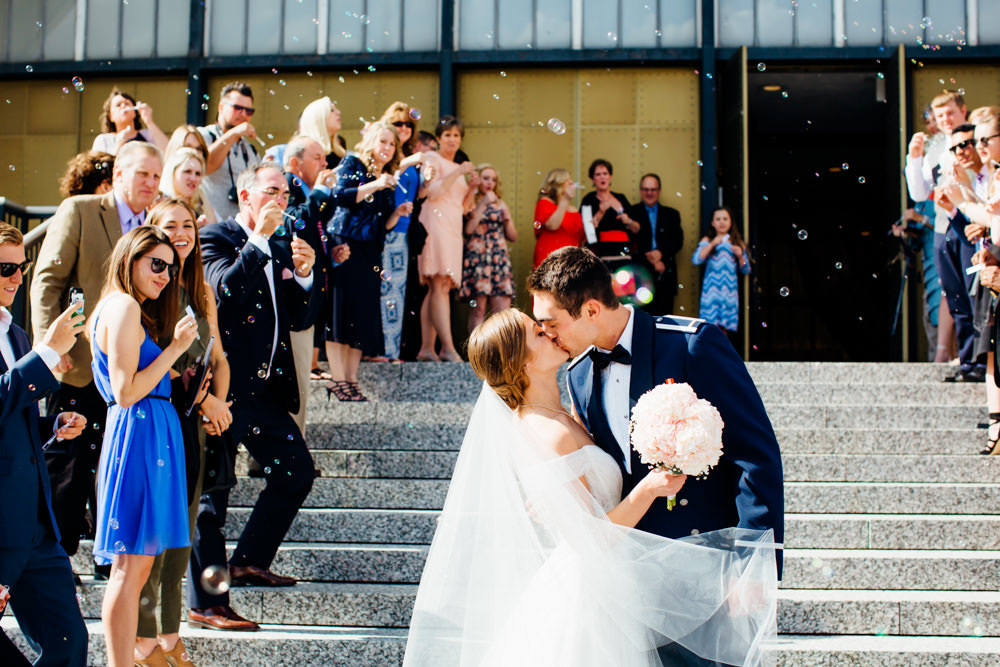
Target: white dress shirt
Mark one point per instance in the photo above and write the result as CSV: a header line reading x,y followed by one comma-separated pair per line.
x,y
261,243
48,355
615,380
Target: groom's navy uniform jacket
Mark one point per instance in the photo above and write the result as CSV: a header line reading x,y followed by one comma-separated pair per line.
x,y
745,488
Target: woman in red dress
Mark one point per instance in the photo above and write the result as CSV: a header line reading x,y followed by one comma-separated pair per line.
x,y
557,221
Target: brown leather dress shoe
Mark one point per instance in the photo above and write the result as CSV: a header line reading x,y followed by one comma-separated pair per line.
x,y
251,575
219,618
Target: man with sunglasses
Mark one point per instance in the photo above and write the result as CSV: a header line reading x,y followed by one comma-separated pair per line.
x,y
955,254
229,149
32,563
74,254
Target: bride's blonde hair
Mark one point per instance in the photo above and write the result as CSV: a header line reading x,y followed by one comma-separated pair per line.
x,y
498,350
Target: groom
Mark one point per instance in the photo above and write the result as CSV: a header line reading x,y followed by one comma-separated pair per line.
x,y
622,352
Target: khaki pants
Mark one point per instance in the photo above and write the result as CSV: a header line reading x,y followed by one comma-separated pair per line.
x,y
302,350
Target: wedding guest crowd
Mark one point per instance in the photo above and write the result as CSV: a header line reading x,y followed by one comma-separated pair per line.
x,y
210,280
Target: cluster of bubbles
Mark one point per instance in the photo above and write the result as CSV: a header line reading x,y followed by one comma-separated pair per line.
x,y
633,284
77,84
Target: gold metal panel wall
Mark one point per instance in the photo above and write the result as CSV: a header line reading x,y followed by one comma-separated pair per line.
x,y
279,98
981,84
46,122
640,120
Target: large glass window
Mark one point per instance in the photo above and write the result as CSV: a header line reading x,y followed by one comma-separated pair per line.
x,y
863,22
553,24
346,27
678,23
26,30
103,17
814,23
515,24
173,28
263,19
421,22
639,25
989,22
228,27
476,25
774,23
59,28
600,25
300,27
384,28
138,26
946,22
736,22
903,19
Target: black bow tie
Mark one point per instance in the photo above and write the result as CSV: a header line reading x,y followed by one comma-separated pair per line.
x,y
602,359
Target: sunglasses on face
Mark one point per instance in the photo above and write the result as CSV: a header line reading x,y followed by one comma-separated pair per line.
x,y
962,145
7,269
239,107
157,265
985,141
403,123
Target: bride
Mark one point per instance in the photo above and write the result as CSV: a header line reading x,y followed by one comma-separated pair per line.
x,y
536,560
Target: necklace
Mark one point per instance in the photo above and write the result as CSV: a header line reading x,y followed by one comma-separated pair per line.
x,y
535,405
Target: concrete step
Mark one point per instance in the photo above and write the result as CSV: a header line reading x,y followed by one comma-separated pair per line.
x,y
387,464
811,372
858,393
807,611
353,493
891,569
892,531
891,498
295,646
964,441
362,526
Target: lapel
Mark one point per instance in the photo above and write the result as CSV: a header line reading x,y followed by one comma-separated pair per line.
x,y
110,220
641,381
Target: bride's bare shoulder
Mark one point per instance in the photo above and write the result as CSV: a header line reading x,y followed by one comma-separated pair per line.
x,y
553,432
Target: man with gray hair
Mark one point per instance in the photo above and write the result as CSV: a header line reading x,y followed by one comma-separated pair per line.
x,y
79,240
310,206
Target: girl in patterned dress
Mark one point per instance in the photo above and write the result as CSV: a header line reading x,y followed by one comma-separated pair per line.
x,y
723,253
486,270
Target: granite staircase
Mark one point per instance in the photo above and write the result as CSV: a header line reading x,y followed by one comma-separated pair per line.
x,y
892,524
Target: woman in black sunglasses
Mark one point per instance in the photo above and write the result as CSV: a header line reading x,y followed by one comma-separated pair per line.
x,y
141,480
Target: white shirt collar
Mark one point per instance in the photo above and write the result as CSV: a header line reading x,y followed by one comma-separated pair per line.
x,y
241,223
5,321
626,338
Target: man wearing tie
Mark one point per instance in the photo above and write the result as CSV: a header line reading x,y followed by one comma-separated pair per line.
x,y
79,240
263,290
659,238
32,563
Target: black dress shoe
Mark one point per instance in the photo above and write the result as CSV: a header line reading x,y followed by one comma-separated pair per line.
x,y
251,575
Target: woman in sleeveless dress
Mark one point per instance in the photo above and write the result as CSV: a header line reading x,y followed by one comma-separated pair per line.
x,y
535,561
141,480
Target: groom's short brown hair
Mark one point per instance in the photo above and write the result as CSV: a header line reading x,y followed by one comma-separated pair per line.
x,y
573,276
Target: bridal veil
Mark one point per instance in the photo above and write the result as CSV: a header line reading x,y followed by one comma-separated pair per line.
x,y
526,569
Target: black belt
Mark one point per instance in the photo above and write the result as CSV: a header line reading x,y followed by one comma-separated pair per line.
x,y
162,398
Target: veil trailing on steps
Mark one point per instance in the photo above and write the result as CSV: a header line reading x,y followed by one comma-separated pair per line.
x,y
526,569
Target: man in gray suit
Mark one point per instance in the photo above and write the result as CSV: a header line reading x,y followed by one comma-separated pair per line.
x,y
79,240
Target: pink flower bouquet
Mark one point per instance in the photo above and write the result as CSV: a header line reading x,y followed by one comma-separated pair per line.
x,y
675,431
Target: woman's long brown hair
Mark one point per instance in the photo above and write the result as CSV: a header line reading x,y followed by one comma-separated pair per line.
x,y
193,273
159,315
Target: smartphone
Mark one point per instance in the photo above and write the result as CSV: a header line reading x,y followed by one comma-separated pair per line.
x,y
190,311
76,296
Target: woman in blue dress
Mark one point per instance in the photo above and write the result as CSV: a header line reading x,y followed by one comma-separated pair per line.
x,y
141,481
724,254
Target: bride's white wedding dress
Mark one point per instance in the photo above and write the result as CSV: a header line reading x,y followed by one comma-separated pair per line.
x,y
526,569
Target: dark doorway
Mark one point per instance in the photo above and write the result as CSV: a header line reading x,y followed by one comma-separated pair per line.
x,y
824,190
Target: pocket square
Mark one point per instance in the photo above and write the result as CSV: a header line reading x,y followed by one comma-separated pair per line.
x,y
286,274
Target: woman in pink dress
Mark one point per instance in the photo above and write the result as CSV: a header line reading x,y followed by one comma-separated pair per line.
x,y
440,263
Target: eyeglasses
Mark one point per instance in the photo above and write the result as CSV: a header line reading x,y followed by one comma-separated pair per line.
x,y
283,195
403,123
962,145
157,265
985,141
7,269
239,107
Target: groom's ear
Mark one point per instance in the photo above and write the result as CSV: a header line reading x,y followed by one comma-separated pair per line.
x,y
591,308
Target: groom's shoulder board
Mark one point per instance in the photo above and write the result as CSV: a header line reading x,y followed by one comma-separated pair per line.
x,y
678,323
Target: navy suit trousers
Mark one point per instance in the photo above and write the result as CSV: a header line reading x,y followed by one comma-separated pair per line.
x,y
953,254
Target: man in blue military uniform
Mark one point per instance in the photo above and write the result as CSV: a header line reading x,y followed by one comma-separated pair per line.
x,y
624,352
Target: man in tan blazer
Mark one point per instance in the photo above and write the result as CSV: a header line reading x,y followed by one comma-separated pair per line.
x,y
77,245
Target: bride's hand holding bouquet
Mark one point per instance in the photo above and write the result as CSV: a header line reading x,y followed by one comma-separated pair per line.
x,y
676,433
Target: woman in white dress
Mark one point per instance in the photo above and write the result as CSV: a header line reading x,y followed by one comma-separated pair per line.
x,y
535,560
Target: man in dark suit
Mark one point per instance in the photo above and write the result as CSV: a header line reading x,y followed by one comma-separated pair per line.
x,y
263,291
32,563
659,238
624,352
77,245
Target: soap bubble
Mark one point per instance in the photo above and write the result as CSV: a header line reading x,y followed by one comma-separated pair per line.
x,y
267,470
31,387
215,579
385,274
845,166
250,319
280,231
838,266
119,547
369,199
784,94
556,126
113,523
633,284
783,291
29,68
861,180
415,114
78,84
761,67
538,225
161,462
13,168
140,413
262,373
300,224
803,235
